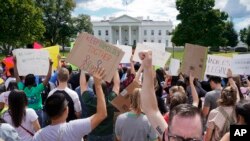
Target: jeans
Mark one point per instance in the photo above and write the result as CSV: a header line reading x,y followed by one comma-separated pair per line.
x,y
101,138
42,118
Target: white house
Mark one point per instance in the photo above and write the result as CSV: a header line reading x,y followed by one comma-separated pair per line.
x,y
129,30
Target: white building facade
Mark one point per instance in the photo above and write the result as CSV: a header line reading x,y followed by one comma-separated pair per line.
x,y
128,30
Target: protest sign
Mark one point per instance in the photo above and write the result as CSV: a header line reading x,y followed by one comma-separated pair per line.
x,y
174,67
241,64
122,101
217,65
159,46
53,53
194,59
89,53
159,57
32,61
128,52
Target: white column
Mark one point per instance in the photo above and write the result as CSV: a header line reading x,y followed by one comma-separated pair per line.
x,y
129,35
120,35
140,35
110,35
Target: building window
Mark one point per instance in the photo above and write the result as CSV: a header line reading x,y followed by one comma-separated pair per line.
x,y
152,41
159,41
167,32
107,32
145,40
99,32
166,43
152,32
159,32
117,32
107,41
145,32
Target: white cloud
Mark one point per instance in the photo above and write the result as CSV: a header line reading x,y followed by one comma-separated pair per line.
x,y
246,3
242,23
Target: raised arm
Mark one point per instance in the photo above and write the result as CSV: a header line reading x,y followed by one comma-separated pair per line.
x,y
138,74
83,82
58,62
116,80
101,111
132,65
193,90
16,74
232,83
46,80
148,97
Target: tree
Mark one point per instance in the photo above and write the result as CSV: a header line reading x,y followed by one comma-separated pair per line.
x,y
230,34
58,21
243,35
20,23
248,37
200,23
83,24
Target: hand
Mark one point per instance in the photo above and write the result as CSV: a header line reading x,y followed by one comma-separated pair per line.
x,y
181,77
59,57
146,57
98,75
229,73
50,62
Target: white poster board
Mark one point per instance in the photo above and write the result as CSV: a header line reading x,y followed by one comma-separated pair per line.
x,y
32,61
128,53
241,64
159,57
174,67
218,65
159,46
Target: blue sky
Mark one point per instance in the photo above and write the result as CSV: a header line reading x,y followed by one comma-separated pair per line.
x,y
238,10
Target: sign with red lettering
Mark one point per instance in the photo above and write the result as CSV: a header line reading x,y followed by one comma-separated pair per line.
x,y
89,53
218,65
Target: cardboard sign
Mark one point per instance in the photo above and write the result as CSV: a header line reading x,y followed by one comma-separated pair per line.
x,y
174,67
32,61
89,53
218,65
53,53
241,64
128,53
159,57
122,101
159,46
194,59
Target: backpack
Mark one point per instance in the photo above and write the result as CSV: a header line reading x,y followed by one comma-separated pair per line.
x,y
229,121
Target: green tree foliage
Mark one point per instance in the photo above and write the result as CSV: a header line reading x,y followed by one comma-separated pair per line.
x,y
243,35
83,24
58,21
200,23
20,23
230,34
248,37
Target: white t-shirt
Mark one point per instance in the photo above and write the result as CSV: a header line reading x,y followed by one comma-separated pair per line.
x,y
30,117
4,97
71,131
8,81
73,95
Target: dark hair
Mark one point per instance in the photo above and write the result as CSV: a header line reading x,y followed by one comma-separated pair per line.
x,y
17,105
215,79
104,88
11,70
12,85
185,110
30,80
63,75
228,96
87,76
69,68
177,99
243,108
55,105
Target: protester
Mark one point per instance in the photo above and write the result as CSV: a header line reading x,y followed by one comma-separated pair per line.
x,y
7,132
57,109
104,131
134,125
33,91
71,96
25,120
180,117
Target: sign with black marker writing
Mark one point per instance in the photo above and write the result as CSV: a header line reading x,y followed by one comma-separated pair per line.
x,y
241,64
89,53
218,65
32,61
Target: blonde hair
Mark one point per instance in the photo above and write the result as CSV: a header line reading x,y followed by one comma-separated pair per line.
x,y
135,101
175,89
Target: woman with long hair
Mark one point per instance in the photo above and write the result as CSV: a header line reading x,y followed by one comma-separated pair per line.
x,y
23,119
134,125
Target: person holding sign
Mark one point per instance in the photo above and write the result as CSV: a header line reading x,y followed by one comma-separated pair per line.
x,y
104,131
180,117
33,91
